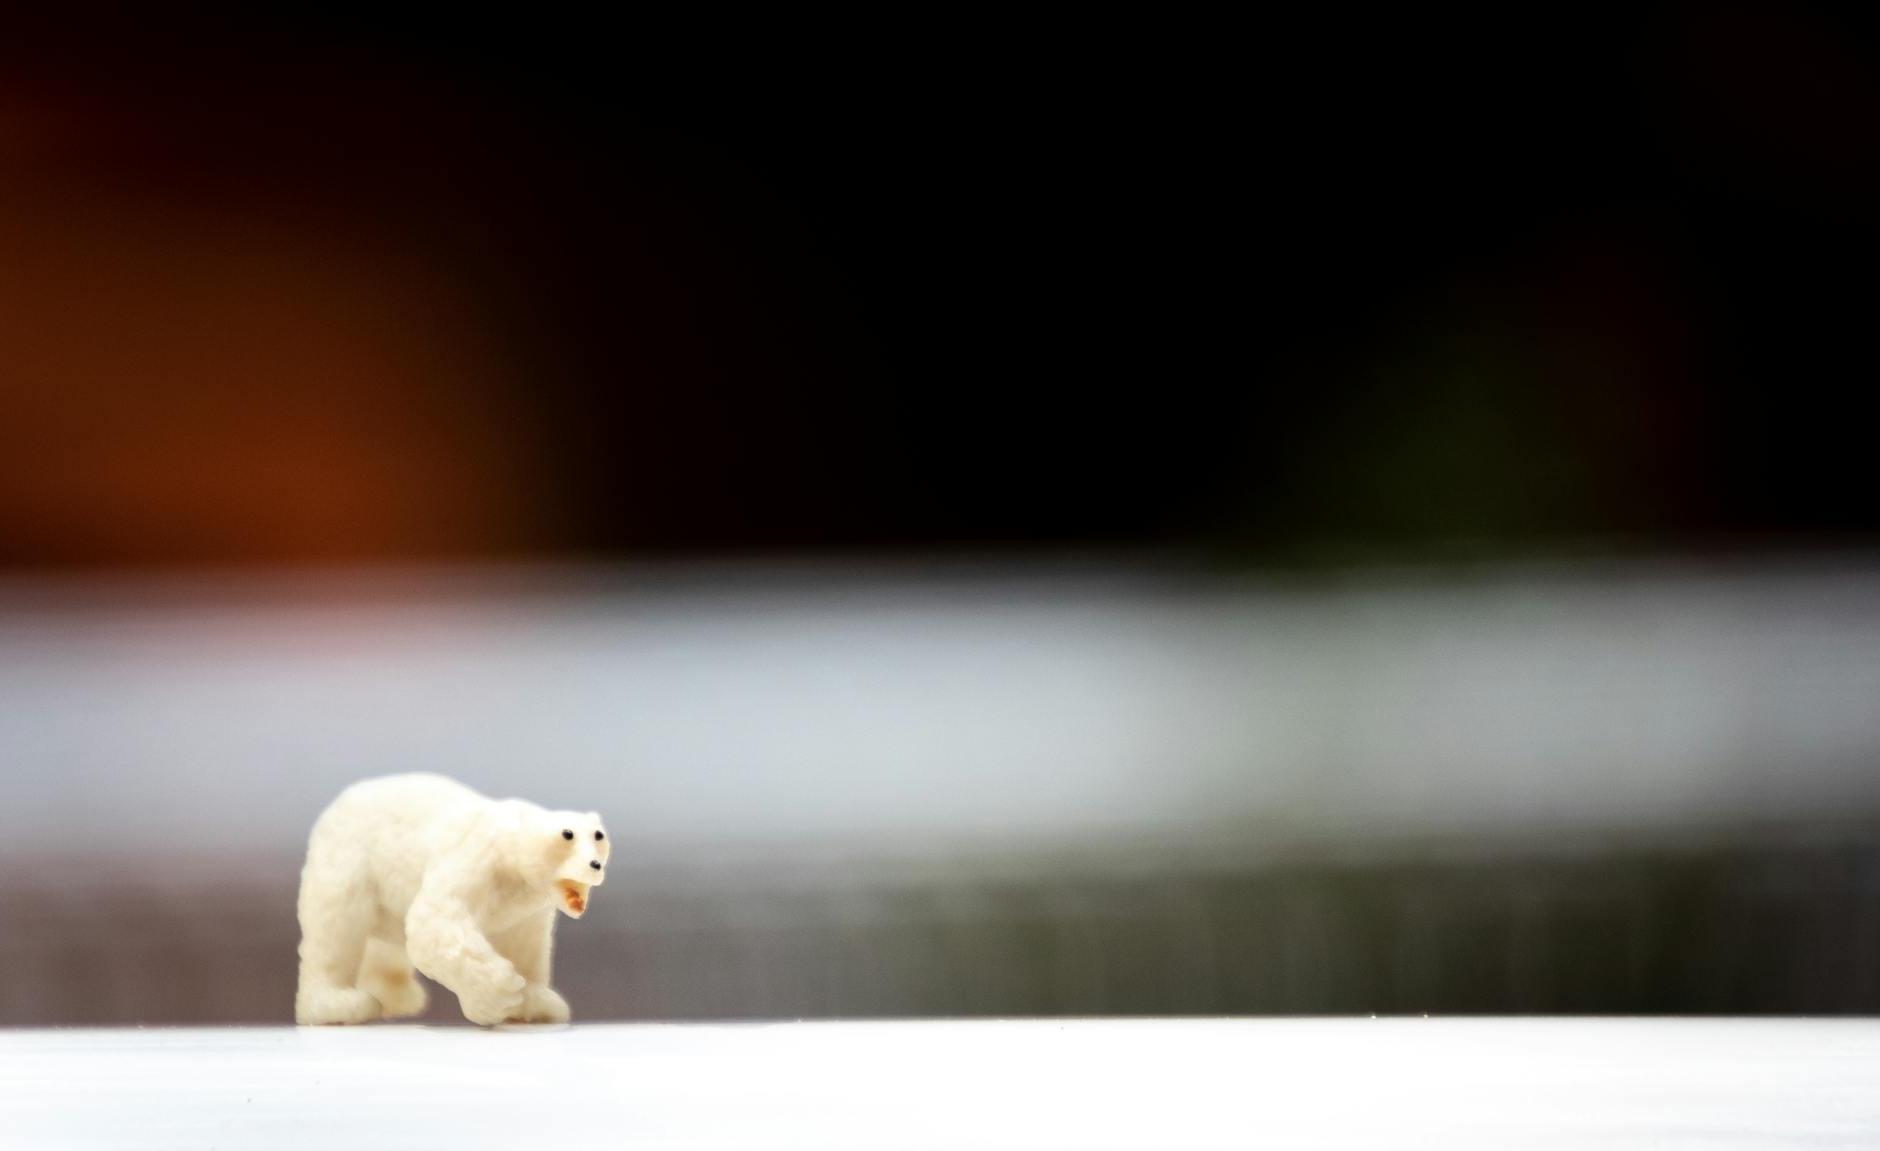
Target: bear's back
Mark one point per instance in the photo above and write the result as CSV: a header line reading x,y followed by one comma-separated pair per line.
x,y
384,832
398,819
416,793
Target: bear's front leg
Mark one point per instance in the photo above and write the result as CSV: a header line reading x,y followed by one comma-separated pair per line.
x,y
530,946
543,1004
445,943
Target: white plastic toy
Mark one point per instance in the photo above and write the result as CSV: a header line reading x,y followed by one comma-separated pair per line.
x,y
419,870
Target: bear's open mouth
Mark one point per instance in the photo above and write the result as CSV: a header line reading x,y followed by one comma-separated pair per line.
x,y
573,896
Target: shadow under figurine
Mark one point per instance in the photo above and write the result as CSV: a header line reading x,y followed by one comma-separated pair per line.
x,y
420,871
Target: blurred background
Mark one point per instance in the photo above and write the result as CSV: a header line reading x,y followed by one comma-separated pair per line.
x,y
1003,517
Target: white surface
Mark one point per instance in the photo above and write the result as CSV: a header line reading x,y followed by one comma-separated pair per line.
x,y
1034,1084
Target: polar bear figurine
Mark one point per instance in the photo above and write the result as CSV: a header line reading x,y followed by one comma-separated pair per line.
x,y
420,871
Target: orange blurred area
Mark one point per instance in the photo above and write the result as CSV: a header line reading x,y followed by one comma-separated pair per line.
x,y
204,379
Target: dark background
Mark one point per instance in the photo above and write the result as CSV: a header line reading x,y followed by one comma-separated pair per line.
x,y
1281,292
1240,297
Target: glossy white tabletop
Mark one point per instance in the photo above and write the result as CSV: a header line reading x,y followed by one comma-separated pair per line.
x,y
1500,1083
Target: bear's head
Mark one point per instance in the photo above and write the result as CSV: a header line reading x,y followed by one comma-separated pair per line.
x,y
572,849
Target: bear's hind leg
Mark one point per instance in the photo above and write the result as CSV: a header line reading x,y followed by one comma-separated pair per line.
x,y
387,974
336,917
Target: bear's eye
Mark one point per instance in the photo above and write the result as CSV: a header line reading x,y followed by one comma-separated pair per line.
x,y
567,834
598,836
